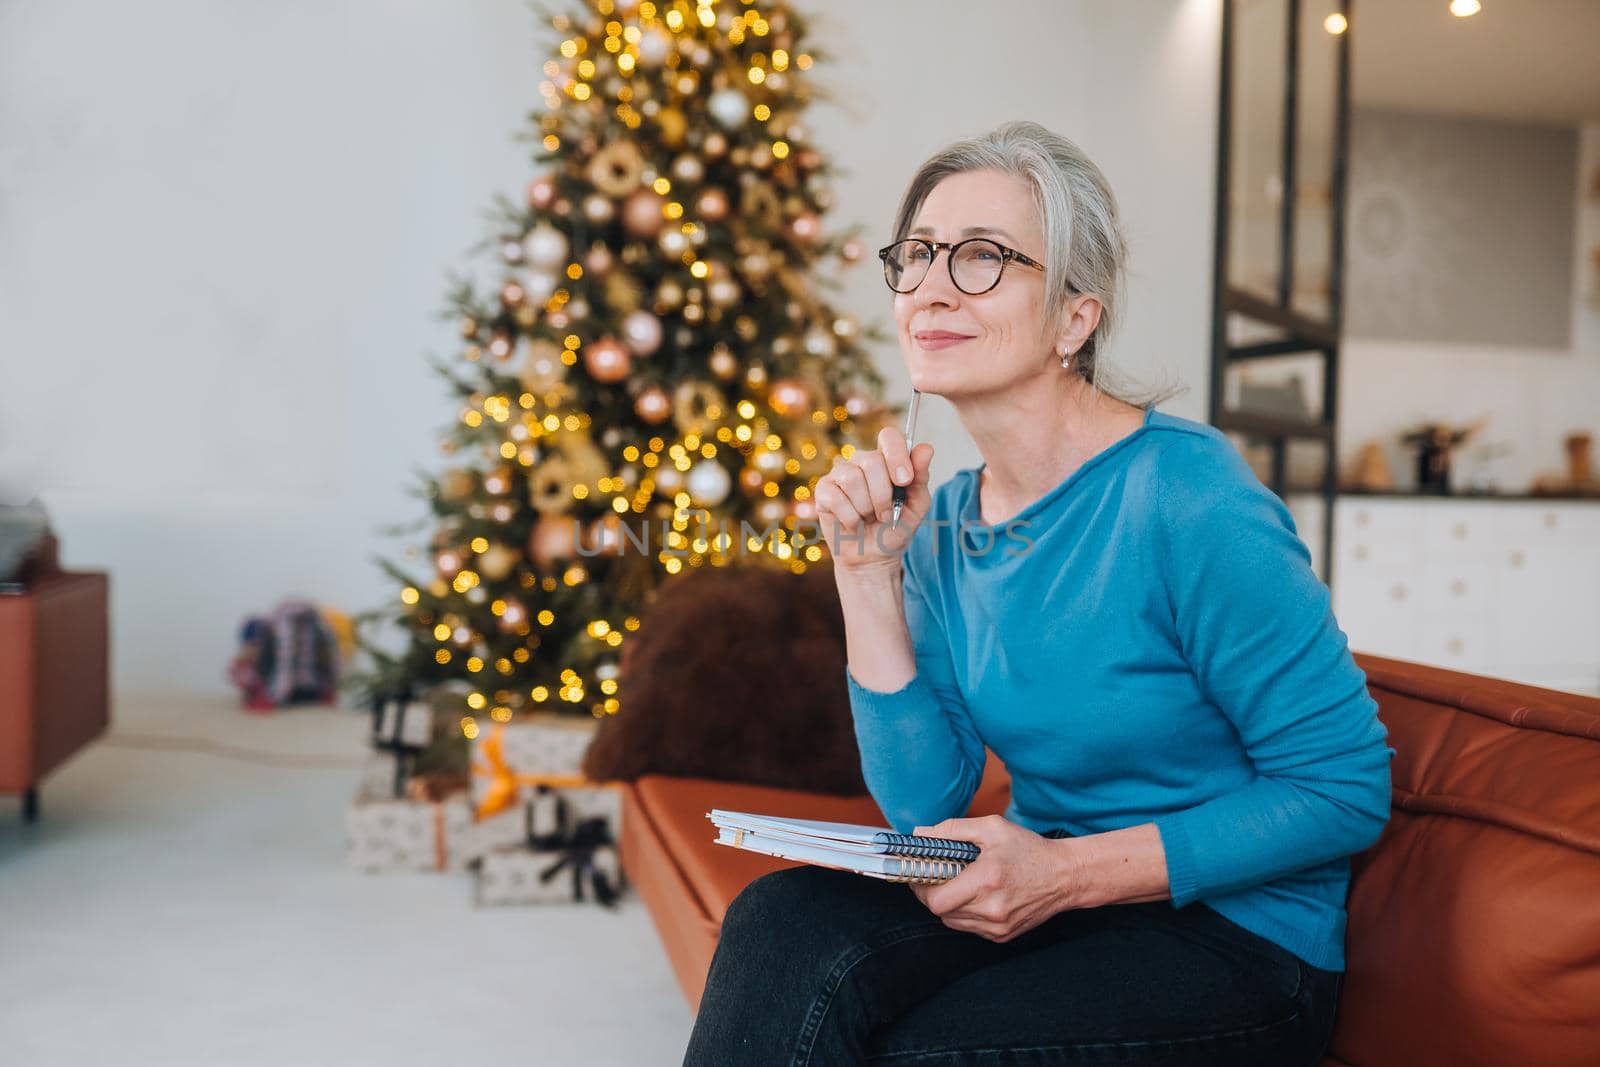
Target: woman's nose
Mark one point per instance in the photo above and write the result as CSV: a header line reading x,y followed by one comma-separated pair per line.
x,y
936,287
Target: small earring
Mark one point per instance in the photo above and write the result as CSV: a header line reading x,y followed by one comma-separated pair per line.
x,y
1066,358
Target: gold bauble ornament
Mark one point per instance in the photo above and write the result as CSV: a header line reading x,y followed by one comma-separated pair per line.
x,y
697,406
669,295
653,405
550,487
673,125
641,213
457,484
723,363
851,250
616,169
554,540
624,292
751,481
715,144
757,265
607,360
586,464
496,561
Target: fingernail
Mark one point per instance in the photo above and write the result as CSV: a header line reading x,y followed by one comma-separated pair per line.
x,y
902,474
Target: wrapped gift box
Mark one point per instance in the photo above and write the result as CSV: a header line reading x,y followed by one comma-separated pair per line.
x,y
568,853
386,833
575,873
544,746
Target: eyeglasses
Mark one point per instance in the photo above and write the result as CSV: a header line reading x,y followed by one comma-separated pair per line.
x,y
975,264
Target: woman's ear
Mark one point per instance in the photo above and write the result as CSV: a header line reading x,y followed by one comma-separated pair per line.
x,y
1083,315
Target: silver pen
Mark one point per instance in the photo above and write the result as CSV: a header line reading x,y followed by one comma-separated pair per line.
x,y
911,442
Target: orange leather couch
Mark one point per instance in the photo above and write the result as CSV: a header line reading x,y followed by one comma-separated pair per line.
x,y
1474,933
54,666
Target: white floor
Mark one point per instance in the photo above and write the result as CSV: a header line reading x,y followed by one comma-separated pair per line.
x,y
182,907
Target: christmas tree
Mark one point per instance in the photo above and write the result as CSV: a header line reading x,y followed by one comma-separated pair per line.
x,y
659,379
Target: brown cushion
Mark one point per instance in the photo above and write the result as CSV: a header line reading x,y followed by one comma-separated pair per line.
x,y
736,674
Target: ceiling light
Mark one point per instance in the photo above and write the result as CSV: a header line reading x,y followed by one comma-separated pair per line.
x,y
1336,24
1465,8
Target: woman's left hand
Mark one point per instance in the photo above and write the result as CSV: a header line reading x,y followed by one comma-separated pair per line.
x,y
1019,880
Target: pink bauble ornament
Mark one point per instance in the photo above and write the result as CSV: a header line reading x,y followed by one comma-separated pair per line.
x,y
806,227
599,260
541,192
653,405
553,540
641,213
712,205
789,396
607,360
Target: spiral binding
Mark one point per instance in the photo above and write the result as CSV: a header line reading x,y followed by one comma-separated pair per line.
x,y
935,847
927,871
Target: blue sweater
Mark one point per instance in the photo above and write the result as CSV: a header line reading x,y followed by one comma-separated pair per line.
x,y
1147,642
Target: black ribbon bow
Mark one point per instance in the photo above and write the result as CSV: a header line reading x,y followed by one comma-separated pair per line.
x,y
576,846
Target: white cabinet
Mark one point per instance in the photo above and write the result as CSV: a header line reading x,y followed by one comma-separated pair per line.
x,y
1509,588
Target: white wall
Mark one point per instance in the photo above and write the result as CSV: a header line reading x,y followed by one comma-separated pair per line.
x,y
226,228
1533,396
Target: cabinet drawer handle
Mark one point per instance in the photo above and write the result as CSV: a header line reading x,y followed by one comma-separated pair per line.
x,y
1361,518
1518,558
1458,587
1399,591
1460,530
1455,645
1361,552
1549,518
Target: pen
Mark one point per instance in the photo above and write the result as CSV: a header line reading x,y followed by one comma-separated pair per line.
x,y
911,442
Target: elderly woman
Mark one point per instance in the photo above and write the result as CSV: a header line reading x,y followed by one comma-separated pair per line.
x,y
1116,606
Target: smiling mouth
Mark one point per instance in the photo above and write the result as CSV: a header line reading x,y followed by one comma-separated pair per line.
x,y
937,341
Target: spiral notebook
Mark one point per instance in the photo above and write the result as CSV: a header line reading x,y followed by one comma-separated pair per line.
x,y
874,851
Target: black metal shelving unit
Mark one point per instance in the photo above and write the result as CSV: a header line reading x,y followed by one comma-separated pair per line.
x,y
1285,331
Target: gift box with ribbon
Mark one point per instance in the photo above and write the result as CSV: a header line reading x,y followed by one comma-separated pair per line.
x,y
543,749
429,829
569,853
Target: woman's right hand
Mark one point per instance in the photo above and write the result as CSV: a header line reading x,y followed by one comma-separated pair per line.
x,y
855,503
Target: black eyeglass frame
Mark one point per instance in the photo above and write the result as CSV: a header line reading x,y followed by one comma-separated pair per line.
x,y
1007,254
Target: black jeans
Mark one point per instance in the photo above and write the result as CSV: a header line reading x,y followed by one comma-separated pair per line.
x,y
825,967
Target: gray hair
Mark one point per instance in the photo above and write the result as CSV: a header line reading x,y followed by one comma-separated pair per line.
x,y
1084,251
